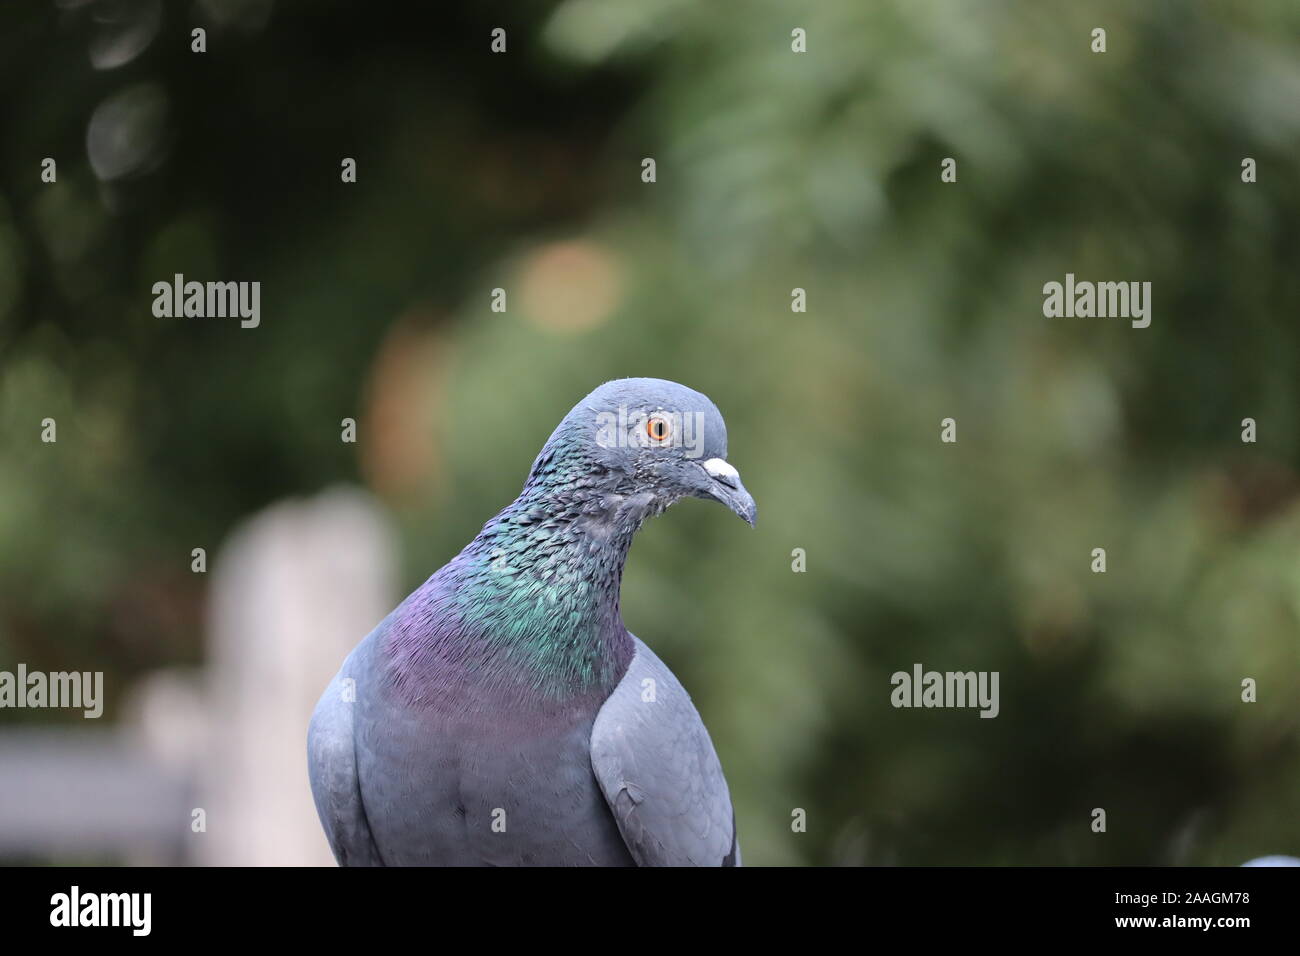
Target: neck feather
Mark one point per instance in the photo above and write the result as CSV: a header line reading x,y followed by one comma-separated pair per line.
x,y
533,601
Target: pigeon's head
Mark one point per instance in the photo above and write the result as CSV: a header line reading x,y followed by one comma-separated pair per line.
x,y
645,443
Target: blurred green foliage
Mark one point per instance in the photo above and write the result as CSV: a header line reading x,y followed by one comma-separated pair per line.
x,y
775,170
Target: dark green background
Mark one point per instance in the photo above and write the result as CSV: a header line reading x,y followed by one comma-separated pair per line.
x,y
775,170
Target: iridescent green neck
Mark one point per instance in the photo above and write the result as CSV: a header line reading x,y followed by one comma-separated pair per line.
x,y
540,584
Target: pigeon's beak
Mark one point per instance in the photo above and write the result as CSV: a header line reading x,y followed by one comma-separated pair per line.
x,y
724,486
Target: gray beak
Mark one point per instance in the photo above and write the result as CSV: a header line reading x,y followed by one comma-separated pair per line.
x,y
724,486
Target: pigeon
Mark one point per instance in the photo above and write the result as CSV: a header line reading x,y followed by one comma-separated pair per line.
x,y
503,715
1273,861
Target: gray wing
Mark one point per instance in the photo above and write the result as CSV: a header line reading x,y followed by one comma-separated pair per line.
x,y
332,766
660,775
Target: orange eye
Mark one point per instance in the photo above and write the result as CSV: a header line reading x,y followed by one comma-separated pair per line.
x,y
658,429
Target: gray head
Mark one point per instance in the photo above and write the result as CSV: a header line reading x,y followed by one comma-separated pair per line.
x,y
646,442
1273,861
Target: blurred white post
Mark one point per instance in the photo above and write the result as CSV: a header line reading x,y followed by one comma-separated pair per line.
x,y
292,591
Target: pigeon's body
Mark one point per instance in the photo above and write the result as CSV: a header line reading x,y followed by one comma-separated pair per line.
x,y
430,776
502,714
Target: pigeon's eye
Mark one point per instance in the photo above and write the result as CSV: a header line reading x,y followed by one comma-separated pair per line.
x,y
658,429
